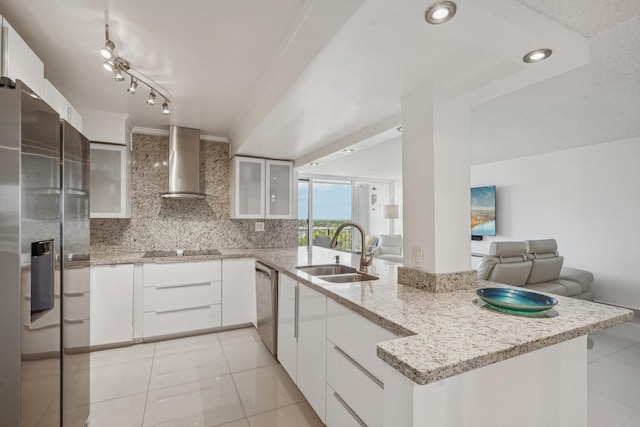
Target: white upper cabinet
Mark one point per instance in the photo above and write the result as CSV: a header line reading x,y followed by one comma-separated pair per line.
x,y
110,163
20,62
279,189
110,181
261,188
58,102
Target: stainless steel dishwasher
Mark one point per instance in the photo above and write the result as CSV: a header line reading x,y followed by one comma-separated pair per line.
x,y
267,305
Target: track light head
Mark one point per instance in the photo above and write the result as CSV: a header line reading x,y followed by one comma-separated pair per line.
x,y
152,97
117,71
107,50
108,65
133,86
165,108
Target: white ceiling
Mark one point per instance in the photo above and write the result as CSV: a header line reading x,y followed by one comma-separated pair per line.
x,y
295,78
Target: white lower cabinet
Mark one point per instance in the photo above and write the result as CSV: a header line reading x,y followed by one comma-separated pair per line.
x,y
339,414
302,331
238,291
111,304
312,333
181,297
288,324
355,392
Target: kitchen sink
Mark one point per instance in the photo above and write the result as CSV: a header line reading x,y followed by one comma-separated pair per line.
x,y
326,269
349,277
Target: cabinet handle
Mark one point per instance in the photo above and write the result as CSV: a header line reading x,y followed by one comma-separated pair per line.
x,y
349,410
359,366
173,310
73,294
186,285
74,320
295,313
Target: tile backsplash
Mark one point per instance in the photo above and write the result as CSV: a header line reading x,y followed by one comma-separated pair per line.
x,y
168,224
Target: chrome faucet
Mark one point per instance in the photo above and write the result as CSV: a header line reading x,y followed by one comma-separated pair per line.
x,y
364,260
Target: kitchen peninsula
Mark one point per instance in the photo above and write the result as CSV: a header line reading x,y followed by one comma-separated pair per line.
x,y
461,363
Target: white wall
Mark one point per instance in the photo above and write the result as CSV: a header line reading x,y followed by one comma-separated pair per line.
x,y
587,198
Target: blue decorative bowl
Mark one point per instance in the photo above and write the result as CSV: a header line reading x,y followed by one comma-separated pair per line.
x,y
516,299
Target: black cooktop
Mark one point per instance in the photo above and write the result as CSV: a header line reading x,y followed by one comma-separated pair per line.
x,y
197,252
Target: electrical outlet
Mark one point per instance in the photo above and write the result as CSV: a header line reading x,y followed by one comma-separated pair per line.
x,y
259,226
416,256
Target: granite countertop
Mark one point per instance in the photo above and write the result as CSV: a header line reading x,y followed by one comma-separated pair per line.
x,y
442,334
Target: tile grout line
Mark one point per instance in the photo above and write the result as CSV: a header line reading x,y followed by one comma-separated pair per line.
x,y
146,398
233,380
614,400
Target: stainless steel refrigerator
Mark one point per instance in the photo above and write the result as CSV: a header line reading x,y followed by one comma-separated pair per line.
x,y
44,264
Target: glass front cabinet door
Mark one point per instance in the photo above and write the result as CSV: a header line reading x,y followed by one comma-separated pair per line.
x,y
109,181
247,175
279,188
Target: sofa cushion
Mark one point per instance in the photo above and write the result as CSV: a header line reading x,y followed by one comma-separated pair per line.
x,y
515,274
390,244
507,249
390,257
547,248
548,287
562,287
546,269
585,278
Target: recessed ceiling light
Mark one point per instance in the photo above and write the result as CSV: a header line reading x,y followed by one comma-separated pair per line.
x,y
314,164
348,150
440,12
537,55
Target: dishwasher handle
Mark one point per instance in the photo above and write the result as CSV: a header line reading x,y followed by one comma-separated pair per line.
x,y
261,268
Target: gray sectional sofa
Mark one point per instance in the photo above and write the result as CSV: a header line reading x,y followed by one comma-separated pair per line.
x,y
534,265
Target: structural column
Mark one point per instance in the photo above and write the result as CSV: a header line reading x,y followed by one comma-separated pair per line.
x,y
436,159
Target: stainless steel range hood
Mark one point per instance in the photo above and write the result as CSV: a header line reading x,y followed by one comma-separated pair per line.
x,y
184,164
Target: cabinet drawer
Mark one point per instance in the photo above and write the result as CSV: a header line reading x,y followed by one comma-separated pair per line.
x,y
356,336
181,272
337,414
192,319
171,297
363,394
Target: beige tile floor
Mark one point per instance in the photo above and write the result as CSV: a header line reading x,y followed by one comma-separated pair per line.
x,y
229,379
226,379
614,376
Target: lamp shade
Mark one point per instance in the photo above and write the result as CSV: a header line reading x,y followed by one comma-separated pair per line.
x,y
390,211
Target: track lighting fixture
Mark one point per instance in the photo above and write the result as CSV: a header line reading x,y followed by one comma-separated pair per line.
x,y
120,66
109,46
152,98
108,65
132,86
117,71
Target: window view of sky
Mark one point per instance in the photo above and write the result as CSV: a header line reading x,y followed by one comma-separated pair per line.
x,y
330,200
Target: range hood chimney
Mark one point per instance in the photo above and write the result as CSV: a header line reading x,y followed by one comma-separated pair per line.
x,y
184,164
